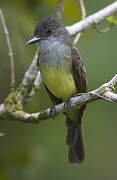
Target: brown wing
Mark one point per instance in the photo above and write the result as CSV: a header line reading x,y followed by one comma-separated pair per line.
x,y
74,137
79,72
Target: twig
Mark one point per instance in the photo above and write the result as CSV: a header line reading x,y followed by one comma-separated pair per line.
x,y
31,73
92,19
106,91
59,9
38,80
9,49
2,109
83,10
31,81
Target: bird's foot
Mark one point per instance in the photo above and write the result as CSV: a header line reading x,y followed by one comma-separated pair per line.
x,y
67,103
52,112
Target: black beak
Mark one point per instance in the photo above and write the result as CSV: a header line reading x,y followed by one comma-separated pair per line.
x,y
33,40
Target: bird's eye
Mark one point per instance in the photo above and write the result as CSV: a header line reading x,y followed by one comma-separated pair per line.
x,y
49,31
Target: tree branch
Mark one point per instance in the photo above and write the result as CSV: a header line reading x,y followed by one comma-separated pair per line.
x,y
2,109
83,10
9,48
59,9
92,19
31,81
106,91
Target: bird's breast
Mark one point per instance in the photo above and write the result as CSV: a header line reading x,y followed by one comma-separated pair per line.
x,y
58,80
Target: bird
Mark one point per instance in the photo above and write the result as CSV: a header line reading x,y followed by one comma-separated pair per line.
x,y
64,76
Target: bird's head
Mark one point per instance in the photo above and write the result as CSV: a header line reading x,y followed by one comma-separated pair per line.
x,y
48,27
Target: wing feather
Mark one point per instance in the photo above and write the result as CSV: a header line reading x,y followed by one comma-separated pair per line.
x,y
79,72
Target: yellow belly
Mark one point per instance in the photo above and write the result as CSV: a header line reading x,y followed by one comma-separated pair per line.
x,y
59,81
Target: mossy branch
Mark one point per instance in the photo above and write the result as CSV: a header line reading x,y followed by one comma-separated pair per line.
x,y
13,111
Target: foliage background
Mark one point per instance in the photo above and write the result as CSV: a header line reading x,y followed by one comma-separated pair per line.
x,y
38,152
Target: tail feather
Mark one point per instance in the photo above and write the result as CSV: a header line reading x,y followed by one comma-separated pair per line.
x,y
75,140
72,133
76,152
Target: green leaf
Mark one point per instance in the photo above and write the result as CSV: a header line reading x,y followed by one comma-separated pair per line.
x,y
112,19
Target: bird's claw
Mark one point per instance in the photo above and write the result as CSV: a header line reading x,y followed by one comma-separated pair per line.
x,y
67,103
52,112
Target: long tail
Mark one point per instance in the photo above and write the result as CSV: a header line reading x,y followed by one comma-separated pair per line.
x,y
74,137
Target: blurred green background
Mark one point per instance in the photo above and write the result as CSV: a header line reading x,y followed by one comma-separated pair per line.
x,y
39,152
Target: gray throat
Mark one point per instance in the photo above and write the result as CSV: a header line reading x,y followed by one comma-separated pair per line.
x,y
54,52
